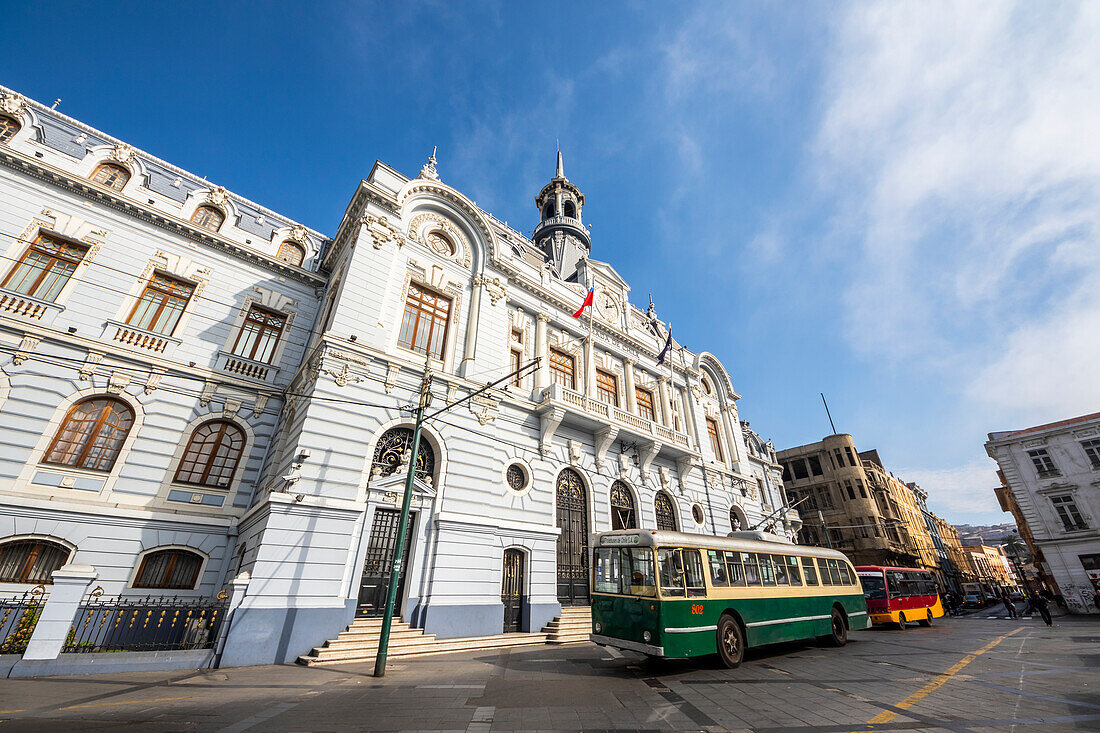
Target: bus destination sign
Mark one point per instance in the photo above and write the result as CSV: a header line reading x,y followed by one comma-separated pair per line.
x,y
619,539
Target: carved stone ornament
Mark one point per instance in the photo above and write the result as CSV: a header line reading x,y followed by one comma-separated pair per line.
x,y
574,452
344,376
218,196
429,171
424,226
122,153
12,103
26,346
298,234
493,287
153,381
260,404
380,230
666,481
118,382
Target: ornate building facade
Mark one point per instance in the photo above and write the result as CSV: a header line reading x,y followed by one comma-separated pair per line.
x,y
195,388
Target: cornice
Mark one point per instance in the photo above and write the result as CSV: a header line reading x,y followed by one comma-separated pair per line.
x,y
162,220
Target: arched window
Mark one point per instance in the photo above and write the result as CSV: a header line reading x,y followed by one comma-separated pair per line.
x,y
208,217
92,434
212,455
706,386
666,515
737,519
291,253
8,128
389,455
172,569
569,210
548,210
31,561
623,515
111,175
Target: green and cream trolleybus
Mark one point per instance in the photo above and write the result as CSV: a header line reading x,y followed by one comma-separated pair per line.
x,y
671,594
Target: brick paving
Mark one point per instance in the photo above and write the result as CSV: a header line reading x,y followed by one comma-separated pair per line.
x,y
1032,679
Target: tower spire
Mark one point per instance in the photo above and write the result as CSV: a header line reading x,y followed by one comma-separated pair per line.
x,y
561,168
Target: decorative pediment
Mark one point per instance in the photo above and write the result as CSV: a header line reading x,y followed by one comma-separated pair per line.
x,y
395,484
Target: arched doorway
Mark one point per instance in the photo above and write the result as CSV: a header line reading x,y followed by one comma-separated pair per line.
x,y
511,589
623,515
666,515
382,542
572,511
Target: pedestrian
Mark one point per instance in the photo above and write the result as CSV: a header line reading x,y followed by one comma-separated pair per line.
x,y
953,602
1096,599
1040,604
1009,605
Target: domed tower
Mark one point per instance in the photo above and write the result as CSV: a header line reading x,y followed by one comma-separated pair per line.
x,y
561,234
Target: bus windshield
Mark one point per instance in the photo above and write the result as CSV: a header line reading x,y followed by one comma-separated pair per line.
x,y
626,571
874,587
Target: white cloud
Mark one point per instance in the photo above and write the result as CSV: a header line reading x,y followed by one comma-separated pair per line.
x,y
962,494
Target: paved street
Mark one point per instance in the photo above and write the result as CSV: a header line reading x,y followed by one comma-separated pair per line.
x,y
966,674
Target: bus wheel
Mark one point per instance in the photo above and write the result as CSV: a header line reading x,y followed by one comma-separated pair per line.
x,y
901,622
731,642
928,621
838,630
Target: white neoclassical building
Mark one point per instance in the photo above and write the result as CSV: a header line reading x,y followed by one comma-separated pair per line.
x,y
1053,474
193,387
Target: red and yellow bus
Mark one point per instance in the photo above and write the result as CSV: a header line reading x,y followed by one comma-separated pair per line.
x,y
900,595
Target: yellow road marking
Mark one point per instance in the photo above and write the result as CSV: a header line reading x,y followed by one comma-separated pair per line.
x,y
127,702
887,715
20,710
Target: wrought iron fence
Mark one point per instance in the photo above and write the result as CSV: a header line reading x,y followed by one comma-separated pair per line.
x,y
18,617
144,624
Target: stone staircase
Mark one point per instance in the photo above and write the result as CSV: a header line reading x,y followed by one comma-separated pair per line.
x,y
360,642
574,624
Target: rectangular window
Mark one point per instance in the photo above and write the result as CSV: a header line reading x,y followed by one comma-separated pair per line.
x,y
671,568
839,457
851,457
780,564
862,490
1092,450
851,491
715,439
644,398
786,472
834,573
1067,511
718,575
260,334
793,571
424,323
825,497
823,571
1043,463
810,570
562,369
815,466
767,570
161,304
45,268
752,570
799,466
517,362
607,387
734,569
693,574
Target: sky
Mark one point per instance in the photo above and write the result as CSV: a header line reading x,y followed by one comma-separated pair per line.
x,y
895,204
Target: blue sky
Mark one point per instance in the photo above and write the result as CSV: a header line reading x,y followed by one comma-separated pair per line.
x,y
894,204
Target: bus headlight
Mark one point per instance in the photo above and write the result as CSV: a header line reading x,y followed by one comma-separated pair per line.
x,y
599,627
646,636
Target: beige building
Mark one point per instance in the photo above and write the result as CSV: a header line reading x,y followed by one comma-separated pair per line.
x,y
958,555
850,502
991,565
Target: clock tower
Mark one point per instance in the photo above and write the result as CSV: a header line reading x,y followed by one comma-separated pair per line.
x,y
561,234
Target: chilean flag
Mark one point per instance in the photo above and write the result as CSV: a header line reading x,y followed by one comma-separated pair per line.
x,y
588,299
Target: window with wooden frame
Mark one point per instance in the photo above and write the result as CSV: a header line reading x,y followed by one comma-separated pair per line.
x,y
291,253
424,322
260,334
31,561
644,398
45,268
607,387
110,175
212,455
715,439
169,569
562,369
207,217
92,434
161,304
8,128
517,363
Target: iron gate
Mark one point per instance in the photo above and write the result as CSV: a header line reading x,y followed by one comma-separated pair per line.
x,y
666,515
573,540
377,569
511,589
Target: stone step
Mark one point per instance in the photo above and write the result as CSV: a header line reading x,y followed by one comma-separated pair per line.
x,y
367,635
435,646
372,644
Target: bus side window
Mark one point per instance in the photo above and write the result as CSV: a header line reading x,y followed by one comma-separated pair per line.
x,y
792,571
735,568
767,572
752,572
823,569
718,577
640,582
672,572
693,573
834,572
780,564
845,575
893,585
810,570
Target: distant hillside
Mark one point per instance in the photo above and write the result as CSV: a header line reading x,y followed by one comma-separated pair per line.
x,y
989,532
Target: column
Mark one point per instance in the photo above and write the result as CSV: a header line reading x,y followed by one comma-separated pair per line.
x,y
542,349
631,402
666,407
690,426
473,317
70,583
589,369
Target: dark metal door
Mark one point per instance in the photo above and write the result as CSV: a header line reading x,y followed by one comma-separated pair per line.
x,y
666,515
511,589
379,563
573,540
